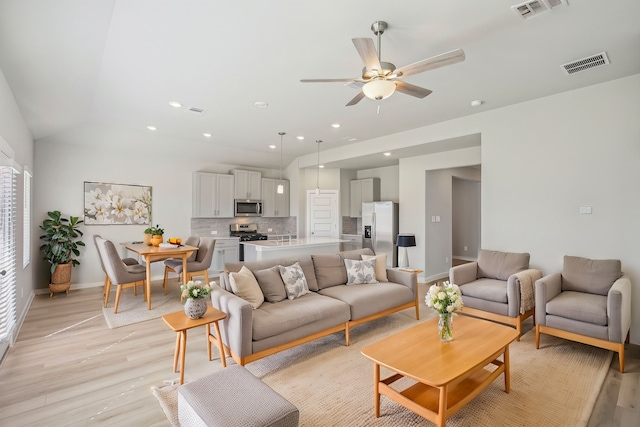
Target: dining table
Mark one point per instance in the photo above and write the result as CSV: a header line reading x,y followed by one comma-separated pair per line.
x,y
155,253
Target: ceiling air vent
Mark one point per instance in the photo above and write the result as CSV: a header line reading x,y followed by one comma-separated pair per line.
x,y
585,63
532,8
195,110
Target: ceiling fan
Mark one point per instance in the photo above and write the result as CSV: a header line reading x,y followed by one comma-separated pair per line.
x,y
380,79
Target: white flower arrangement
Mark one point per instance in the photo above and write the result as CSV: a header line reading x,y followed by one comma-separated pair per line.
x,y
195,290
444,298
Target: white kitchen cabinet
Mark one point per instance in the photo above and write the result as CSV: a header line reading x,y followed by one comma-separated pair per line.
x,y
212,195
226,250
274,204
248,184
363,190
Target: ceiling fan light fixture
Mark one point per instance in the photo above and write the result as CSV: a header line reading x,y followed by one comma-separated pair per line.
x,y
379,89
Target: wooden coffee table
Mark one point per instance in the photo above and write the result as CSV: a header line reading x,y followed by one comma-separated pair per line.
x,y
447,375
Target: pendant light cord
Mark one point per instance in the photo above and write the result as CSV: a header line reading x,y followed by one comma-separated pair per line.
x,y
318,166
281,135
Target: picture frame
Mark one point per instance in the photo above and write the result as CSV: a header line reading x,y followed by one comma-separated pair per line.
x,y
116,204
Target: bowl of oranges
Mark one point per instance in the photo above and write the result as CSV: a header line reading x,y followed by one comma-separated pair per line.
x,y
175,241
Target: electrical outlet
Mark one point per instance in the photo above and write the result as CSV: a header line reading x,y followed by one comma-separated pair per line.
x,y
446,259
269,230
214,231
433,218
466,248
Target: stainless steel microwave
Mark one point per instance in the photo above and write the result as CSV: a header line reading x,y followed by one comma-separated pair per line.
x,y
245,207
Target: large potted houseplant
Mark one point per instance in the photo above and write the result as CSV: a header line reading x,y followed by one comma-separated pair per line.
x,y
62,239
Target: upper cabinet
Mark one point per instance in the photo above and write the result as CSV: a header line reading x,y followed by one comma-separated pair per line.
x,y
248,184
212,195
274,204
363,190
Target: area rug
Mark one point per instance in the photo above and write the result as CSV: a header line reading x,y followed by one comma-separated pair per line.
x,y
133,309
331,384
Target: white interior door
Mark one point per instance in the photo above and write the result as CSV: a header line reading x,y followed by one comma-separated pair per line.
x,y
322,214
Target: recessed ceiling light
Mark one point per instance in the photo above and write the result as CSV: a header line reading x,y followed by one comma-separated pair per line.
x,y
321,166
175,104
261,104
300,138
335,125
387,153
206,135
476,103
272,147
152,127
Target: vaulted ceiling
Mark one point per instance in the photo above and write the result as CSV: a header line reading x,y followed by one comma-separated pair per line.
x,y
116,64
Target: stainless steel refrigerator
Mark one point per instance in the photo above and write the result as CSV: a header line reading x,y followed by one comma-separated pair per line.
x,y
380,229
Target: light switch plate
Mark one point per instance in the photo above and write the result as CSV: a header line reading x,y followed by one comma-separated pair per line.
x,y
214,231
585,209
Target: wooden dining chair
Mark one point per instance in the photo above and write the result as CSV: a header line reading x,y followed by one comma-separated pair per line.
x,y
118,273
197,264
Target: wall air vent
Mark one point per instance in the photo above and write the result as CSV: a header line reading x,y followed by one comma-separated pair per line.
x,y
532,8
585,63
195,110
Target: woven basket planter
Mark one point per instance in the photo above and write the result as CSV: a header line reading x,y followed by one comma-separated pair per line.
x,y
60,279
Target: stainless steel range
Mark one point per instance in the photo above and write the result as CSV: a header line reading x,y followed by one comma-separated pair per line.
x,y
246,233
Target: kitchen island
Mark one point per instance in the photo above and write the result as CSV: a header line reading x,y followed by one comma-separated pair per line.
x,y
273,249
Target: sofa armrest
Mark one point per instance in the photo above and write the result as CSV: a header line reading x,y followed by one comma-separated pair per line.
x,y
464,273
236,329
546,288
406,278
619,309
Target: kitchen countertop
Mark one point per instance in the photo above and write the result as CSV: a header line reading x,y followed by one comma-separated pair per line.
x,y
274,245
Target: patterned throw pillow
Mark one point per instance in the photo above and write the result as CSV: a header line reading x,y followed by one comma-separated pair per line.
x,y
360,272
294,281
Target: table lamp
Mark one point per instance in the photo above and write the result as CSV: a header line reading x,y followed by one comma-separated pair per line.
x,y
404,241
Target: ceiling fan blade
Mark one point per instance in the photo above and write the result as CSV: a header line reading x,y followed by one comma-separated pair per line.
x,y
413,90
367,51
328,80
431,63
355,99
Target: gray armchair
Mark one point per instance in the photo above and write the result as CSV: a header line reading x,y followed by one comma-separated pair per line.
x,y
588,302
118,273
198,263
497,287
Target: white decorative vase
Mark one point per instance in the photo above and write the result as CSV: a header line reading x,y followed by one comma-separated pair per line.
x,y
195,308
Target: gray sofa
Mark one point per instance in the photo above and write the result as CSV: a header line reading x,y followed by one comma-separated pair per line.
x,y
250,334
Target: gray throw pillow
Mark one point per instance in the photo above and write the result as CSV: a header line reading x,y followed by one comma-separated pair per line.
x,y
330,270
294,281
271,283
360,272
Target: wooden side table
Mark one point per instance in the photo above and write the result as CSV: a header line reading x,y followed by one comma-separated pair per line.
x,y
180,323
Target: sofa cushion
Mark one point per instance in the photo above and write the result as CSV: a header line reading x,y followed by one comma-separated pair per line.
x,y
580,306
590,275
381,266
309,272
274,319
245,285
359,272
330,270
271,283
368,299
356,253
501,265
295,284
486,289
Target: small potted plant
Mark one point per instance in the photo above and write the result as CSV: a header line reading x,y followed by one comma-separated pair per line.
x,y
156,235
62,242
196,306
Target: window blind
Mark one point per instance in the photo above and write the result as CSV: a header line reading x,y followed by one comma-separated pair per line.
x,y
7,255
26,223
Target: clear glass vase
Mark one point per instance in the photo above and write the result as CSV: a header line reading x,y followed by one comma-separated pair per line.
x,y
445,327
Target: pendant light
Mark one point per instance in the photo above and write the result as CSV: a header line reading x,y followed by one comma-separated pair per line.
x,y
280,186
318,169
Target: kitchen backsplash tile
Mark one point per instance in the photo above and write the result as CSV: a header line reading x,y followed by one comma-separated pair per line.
x,y
204,226
349,225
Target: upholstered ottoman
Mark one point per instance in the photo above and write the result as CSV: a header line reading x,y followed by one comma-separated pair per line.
x,y
233,397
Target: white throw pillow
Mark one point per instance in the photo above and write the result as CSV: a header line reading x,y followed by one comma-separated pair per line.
x,y
381,266
294,281
245,285
360,272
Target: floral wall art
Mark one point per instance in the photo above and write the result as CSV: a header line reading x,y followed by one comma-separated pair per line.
x,y
116,204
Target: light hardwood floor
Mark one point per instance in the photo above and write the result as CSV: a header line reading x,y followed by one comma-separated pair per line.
x,y
68,368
